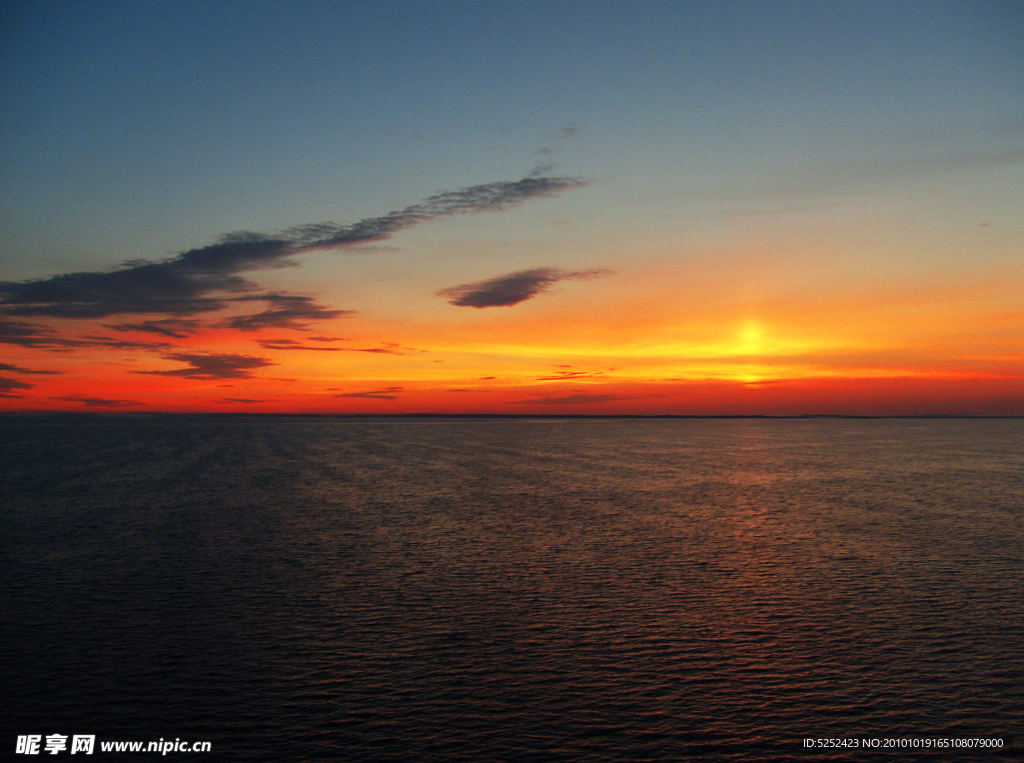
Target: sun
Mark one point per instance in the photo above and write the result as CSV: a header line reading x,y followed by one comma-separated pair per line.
x,y
750,339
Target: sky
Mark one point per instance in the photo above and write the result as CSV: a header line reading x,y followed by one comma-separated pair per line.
x,y
701,208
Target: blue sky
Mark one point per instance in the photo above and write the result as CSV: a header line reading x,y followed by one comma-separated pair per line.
x,y
172,120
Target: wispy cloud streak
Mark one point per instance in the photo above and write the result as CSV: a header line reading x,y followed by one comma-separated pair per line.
x,y
511,289
20,370
286,311
6,385
97,402
212,366
207,279
576,399
176,328
386,393
291,344
36,336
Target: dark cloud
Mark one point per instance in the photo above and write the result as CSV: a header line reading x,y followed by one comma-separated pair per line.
x,y
27,334
385,393
178,328
577,399
290,344
511,289
97,402
327,339
561,375
224,366
386,348
20,370
206,279
570,132
241,400
118,344
6,385
37,336
286,311
184,285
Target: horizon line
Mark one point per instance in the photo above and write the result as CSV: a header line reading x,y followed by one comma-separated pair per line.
x,y
527,415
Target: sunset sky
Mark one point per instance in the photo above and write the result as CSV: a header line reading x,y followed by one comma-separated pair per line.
x,y
512,207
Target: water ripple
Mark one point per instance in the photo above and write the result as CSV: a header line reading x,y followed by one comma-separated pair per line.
x,y
514,590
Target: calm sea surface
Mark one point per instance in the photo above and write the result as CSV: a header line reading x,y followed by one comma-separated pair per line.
x,y
434,590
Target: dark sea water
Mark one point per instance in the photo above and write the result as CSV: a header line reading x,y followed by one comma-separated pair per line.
x,y
306,588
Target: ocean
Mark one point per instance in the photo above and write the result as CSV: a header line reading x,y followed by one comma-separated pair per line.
x,y
515,589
